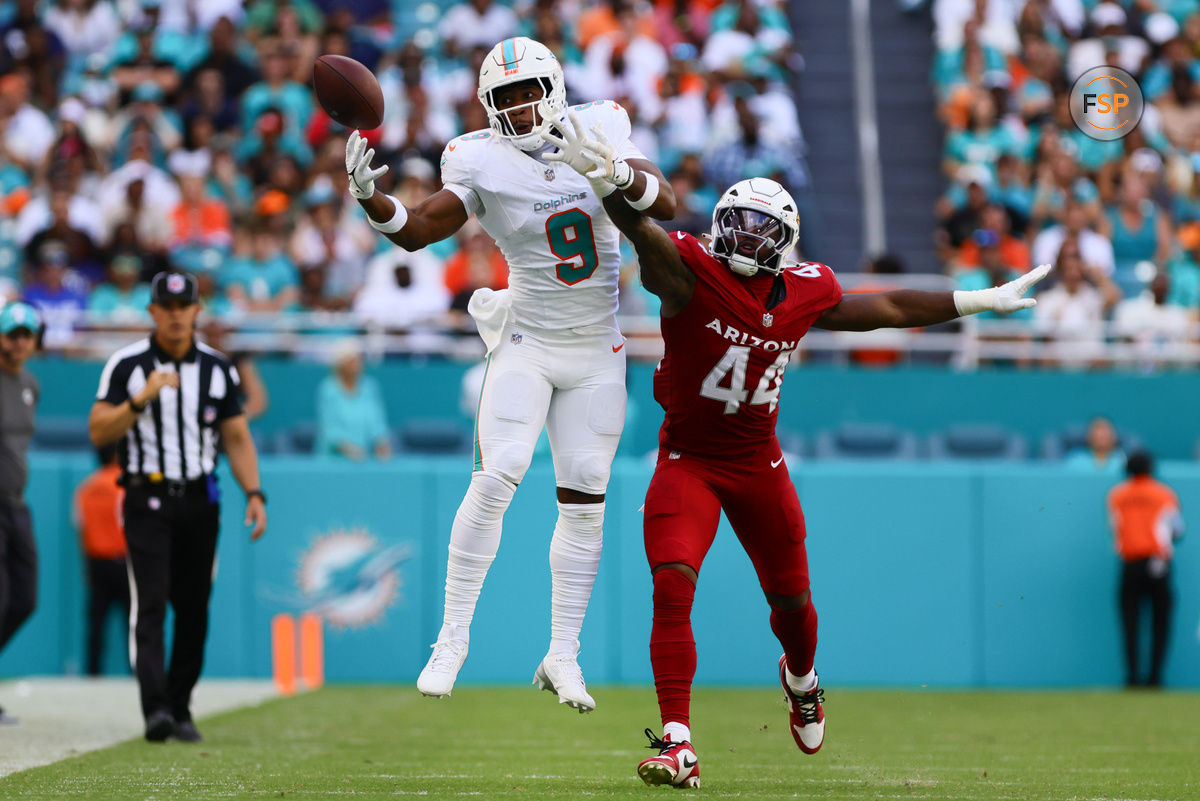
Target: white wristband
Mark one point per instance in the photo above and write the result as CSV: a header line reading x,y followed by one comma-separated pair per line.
x,y
396,223
649,196
973,301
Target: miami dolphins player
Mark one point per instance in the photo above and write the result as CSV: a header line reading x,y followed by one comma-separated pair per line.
x,y
556,358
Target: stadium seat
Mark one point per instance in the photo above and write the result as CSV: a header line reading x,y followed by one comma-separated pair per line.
x,y
300,438
1057,444
866,441
983,441
61,434
432,437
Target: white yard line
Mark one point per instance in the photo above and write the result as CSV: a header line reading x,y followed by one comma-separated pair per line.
x,y
63,717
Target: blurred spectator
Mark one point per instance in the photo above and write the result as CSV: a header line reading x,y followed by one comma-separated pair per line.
x,y
746,37
57,292
473,24
85,27
1071,313
124,299
351,420
402,289
277,91
27,132
1101,454
325,241
1147,522
1108,21
1094,248
750,154
97,515
478,263
626,63
994,232
313,294
961,220
266,279
224,57
145,67
142,194
210,102
199,221
1153,324
1139,231
82,253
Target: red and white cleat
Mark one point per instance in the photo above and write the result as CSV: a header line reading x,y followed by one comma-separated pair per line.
x,y
676,764
806,712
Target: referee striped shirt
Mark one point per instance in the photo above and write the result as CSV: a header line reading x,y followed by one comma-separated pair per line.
x,y
177,435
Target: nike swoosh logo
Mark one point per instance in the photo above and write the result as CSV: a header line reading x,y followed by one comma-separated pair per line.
x,y
777,462
688,762
679,234
451,147
617,348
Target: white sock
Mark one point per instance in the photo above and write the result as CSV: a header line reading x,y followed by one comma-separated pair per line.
x,y
574,560
474,539
677,732
801,684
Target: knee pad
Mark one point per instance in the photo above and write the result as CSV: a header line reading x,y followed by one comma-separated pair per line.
x,y
507,460
486,501
586,472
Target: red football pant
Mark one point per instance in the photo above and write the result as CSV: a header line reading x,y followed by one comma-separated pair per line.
x,y
683,507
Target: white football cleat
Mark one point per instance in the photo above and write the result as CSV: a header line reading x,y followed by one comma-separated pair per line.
x,y
806,713
437,679
560,674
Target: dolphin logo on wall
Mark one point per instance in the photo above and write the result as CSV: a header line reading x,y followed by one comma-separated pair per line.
x,y
347,577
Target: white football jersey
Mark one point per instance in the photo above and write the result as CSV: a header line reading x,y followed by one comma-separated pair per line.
x,y
563,252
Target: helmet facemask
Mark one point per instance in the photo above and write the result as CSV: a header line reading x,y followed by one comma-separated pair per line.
x,y
548,106
749,240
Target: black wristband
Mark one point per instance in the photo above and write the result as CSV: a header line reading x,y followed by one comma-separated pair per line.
x,y
262,496
136,409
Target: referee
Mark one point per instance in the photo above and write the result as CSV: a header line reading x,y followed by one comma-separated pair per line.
x,y
169,400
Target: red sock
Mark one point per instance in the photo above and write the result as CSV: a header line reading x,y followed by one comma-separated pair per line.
x,y
672,646
796,630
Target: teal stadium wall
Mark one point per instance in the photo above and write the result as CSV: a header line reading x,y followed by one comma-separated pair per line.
x,y
924,573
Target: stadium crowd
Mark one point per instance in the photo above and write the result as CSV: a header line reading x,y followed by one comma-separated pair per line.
x,y
1120,220
137,135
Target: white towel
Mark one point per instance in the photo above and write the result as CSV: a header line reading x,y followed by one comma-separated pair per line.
x,y
491,309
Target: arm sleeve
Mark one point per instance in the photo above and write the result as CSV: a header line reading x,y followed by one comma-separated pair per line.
x,y
113,383
456,176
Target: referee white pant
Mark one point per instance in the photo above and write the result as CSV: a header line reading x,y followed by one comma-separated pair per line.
x,y
573,385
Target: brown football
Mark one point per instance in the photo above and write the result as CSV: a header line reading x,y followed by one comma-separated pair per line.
x,y
348,92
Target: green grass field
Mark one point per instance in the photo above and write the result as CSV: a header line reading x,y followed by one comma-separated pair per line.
x,y
387,742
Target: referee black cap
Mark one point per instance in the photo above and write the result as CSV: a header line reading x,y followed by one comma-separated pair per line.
x,y
168,286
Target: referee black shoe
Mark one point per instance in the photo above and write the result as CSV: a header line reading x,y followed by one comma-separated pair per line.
x,y
185,732
159,726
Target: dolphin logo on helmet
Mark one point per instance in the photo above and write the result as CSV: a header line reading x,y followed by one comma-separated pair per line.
x,y
514,60
755,226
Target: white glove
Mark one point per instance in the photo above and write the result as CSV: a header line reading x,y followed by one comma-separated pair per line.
x,y
1005,299
358,167
609,168
570,140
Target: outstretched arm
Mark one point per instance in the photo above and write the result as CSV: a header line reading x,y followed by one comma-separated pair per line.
x,y
910,308
433,219
662,269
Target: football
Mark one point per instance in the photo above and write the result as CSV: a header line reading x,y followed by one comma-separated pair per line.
x,y
348,92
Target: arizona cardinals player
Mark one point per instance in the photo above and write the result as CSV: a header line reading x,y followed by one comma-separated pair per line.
x,y
733,311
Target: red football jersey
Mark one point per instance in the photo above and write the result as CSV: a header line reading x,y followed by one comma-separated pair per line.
x,y
720,378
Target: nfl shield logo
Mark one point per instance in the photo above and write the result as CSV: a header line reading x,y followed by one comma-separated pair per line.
x,y
549,174
175,283
516,339
210,414
768,319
